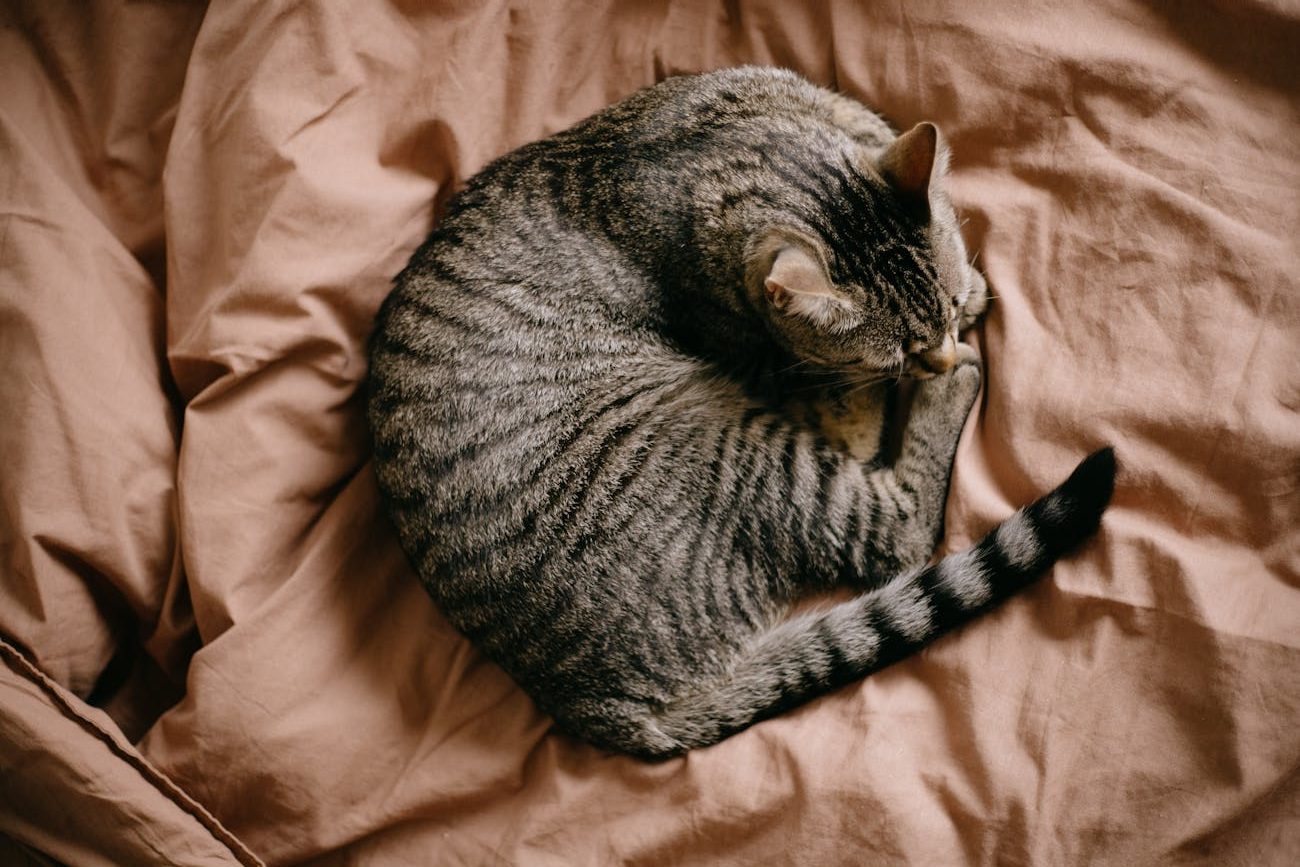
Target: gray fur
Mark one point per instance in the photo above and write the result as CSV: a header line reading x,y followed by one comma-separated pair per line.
x,y
1018,540
585,395
964,577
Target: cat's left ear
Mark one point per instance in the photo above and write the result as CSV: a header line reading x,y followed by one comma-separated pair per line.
x,y
797,285
910,163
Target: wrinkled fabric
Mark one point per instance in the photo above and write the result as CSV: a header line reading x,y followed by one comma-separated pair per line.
x,y
88,426
200,212
73,787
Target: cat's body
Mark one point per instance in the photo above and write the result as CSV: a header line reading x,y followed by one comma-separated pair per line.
x,y
581,403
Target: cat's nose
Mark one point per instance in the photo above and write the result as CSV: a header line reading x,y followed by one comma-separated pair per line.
x,y
939,359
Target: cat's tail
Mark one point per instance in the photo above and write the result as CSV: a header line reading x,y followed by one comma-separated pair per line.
x,y
814,653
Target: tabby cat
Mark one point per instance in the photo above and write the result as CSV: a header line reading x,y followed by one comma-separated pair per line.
x,y
581,397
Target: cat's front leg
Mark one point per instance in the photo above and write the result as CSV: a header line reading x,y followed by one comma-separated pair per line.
x,y
924,466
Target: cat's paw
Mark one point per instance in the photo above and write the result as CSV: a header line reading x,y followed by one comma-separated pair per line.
x,y
977,302
966,355
967,375
951,395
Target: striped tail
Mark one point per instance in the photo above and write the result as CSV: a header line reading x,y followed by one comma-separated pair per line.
x,y
814,653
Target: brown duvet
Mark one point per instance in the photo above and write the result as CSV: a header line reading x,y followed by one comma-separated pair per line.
x,y
213,650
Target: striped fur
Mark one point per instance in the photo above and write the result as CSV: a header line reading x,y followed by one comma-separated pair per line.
x,y
584,401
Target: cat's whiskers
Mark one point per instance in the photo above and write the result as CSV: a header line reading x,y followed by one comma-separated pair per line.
x,y
861,387
902,368
865,383
800,363
831,377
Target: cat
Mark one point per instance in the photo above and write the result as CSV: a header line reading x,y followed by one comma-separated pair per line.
x,y
580,400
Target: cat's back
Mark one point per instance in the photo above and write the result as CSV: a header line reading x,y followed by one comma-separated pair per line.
x,y
514,326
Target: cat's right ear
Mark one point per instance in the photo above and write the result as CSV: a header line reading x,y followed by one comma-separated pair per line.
x,y
797,285
909,162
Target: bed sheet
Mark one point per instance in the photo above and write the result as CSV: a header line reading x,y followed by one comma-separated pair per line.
x,y
202,210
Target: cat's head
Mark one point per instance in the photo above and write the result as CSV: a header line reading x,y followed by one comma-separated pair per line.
x,y
877,280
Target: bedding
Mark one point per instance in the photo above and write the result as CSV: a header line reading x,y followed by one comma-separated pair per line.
x,y
214,651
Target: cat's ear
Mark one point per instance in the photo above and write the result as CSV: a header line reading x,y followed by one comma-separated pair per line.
x,y
908,164
797,285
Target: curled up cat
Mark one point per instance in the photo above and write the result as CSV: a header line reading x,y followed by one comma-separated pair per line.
x,y
609,395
